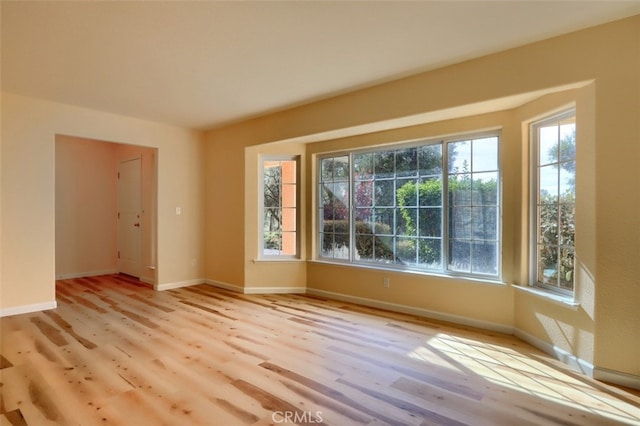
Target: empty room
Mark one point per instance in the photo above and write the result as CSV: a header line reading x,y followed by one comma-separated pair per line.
x,y
320,212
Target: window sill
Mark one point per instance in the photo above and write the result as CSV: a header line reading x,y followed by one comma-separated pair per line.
x,y
275,259
547,295
380,267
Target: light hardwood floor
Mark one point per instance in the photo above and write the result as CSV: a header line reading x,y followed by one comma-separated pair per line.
x,y
116,352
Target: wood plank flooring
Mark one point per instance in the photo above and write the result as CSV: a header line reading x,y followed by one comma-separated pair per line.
x,y
115,352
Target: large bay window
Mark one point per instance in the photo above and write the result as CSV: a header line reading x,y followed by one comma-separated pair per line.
x,y
432,206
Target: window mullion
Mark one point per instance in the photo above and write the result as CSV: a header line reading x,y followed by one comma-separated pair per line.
x,y
445,206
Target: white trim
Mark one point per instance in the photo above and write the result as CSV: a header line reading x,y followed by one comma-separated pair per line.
x,y
577,364
27,309
86,274
457,319
616,377
550,296
275,290
225,286
178,284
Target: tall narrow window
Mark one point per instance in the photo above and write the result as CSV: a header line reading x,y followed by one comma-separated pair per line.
x,y
554,168
280,207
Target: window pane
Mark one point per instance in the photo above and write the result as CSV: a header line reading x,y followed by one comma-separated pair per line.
x,y
407,162
384,164
430,192
460,190
566,268
485,220
288,196
430,160
363,193
430,222
406,192
364,247
548,264
460,222
485,154
384,193
407,221
383,249
407,249
459,157
288,170
567,142
548,145
430,253
549,184
485,189
548,224
288,219
460,256
484,256
567,224
363,166
383,218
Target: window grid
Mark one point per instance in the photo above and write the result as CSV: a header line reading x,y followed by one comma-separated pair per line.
x,y
396,206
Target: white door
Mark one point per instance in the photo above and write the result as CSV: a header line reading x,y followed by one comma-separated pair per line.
x,y
129,173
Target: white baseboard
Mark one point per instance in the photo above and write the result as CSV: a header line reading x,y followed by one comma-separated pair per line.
x,y
275,290
456,319
577,364
86,274
616,377
179,284
225,286
27,309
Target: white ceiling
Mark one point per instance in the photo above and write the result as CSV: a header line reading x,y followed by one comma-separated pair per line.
x,y
205,64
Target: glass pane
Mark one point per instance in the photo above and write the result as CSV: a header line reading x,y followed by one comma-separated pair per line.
x,y
430,253
567,142
548,224
406,192
485,189
430,192
430,160
407,221
365,227
485,154
364,214
289,220
568,180
548,145
566,268
363,193
272,243
383,218
272,219
341,168
567,224
288,170
407,162
548,184
430,222
484,257
384,193
459,157
460,222
460,255
326,225
364,247
384,165
289,244
363,166
383,249
406,250
326,169
288,195
485,223
548,264
460,190
341,194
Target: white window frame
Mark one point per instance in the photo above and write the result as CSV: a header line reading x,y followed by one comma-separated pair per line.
x,y
262,214
534,200
445,268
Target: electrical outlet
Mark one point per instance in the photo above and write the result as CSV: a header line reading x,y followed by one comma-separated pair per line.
x,y
385,282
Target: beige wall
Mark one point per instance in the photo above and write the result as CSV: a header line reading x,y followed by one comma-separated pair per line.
x,y
29,128
604,63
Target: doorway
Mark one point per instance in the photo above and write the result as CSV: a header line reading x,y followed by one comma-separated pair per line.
x,y
87,205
